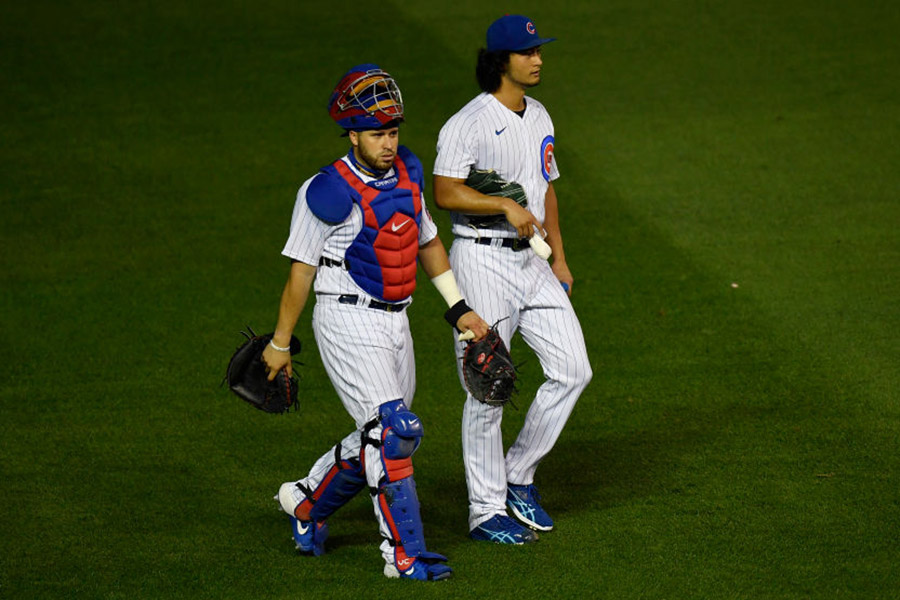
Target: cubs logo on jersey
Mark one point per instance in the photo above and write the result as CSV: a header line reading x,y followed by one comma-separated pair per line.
x,y
547,156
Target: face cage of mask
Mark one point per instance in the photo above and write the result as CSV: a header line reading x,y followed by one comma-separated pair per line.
x,y
374,91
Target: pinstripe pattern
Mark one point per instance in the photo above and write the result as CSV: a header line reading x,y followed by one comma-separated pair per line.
x,y
470,139
518,287
367,353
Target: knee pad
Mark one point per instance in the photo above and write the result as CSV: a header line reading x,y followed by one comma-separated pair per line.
x,y
401,433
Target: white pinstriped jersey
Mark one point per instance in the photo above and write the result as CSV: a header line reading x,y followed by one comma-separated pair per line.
x,y
517,291
484,134
311,238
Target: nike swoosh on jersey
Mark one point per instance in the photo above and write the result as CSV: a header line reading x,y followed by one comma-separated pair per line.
x,y
499,131
395,227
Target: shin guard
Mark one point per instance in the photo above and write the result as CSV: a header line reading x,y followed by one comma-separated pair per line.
x,y
397,498
344,480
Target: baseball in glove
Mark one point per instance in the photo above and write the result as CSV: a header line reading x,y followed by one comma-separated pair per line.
x,y
488,370
247,377
490,183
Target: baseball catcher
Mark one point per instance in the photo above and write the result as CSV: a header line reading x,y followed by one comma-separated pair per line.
x,y
488,370
248,379
360,231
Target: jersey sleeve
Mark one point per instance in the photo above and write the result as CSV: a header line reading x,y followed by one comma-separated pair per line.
x,y
427,227
307,234
456,150
554,170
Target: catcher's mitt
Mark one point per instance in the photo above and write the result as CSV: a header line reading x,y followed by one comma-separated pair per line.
x,y
247,377
489,182
488,370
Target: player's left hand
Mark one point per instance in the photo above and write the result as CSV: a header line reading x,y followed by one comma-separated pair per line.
x,y
246,375
523,220
471,321
561,270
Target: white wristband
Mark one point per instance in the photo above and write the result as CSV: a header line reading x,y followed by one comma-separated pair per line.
x,y
446,285
279,348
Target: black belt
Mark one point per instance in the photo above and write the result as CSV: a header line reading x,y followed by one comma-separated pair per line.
x,y
385,306
515,244
330,262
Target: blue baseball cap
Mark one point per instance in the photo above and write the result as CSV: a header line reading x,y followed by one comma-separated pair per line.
x,y
513,33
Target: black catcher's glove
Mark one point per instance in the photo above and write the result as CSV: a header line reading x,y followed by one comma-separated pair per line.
x,y
488,370
247,377
489,182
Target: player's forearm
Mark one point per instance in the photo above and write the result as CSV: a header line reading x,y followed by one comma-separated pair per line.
x,y
551,225
293,300
454,194
434,261
433,258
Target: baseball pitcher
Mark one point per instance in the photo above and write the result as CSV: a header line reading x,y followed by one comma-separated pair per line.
x,y
502,242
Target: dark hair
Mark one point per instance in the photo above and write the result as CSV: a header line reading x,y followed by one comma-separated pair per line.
x,y
489,69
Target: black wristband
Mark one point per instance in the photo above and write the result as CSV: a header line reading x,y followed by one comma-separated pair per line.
x,y
456,311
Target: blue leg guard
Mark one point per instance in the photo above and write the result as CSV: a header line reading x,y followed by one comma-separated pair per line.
x,y
343,482
401,433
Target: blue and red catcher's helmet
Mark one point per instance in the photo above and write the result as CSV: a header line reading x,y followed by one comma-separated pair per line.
x,y
366,97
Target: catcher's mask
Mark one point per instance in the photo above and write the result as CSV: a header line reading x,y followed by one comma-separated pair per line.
x,y
365,98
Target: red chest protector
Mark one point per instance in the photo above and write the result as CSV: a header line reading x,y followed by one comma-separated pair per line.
x,y
384,256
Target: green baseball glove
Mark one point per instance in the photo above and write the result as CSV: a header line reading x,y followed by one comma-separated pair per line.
x,y
490,183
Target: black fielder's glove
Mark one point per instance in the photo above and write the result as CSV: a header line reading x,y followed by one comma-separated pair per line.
x,y
490,183
247,377
488,370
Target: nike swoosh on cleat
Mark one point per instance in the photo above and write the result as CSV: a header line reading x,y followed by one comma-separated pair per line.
x,y
499,131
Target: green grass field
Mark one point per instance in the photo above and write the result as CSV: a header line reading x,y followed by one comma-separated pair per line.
x,y
738,441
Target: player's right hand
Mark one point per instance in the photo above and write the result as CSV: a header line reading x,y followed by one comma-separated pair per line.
x,y
471,322
522,219
275,361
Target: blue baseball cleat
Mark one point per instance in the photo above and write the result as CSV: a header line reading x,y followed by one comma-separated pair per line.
x,y
503,530
523,500
428,566
309,536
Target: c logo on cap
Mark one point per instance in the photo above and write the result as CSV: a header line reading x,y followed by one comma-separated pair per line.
x,y
529,27
546,156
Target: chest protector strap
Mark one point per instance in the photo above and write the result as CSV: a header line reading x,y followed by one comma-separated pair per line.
x,y
383,257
